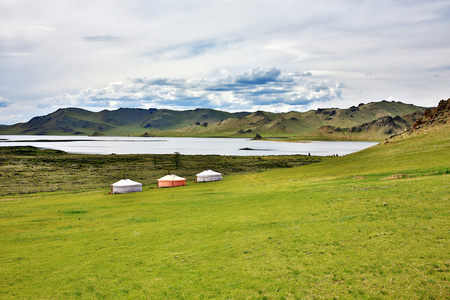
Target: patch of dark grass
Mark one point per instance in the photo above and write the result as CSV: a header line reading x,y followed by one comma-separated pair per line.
x,y
42,220
141,220
74,212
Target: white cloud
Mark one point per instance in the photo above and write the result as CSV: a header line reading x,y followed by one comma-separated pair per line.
x,y
101,38
4,102
249,89
15,53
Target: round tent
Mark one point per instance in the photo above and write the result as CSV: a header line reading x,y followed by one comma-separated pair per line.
x,y
125,186
208,175
171,181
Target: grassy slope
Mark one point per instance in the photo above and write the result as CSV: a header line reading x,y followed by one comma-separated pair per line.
x,y
341,228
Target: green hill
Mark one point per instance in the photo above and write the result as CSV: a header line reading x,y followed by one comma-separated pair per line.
x,y
209,122
124,121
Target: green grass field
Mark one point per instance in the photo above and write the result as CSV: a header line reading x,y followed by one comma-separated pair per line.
x,y
371,225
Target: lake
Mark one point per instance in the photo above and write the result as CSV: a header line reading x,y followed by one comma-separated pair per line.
x,y
183,145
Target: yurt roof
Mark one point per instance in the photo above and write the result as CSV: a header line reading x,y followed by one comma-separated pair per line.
x,y
126,182
208,172
172,178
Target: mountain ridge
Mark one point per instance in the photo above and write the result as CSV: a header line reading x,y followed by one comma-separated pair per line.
x,y
364,122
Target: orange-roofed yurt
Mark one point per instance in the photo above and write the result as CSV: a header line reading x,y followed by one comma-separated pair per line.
x,y
171,181
126,186
208,175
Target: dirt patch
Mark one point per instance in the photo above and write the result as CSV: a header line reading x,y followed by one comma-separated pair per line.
x,y
372,188
395,176
7,199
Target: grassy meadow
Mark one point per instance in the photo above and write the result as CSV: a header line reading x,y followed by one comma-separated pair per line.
x,y
370,225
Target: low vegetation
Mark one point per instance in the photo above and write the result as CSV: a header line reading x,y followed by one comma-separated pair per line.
x,y
25,170
369,225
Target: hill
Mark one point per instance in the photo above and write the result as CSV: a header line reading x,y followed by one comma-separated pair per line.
x,y
124,121
369,225
434,117
366,118
377,129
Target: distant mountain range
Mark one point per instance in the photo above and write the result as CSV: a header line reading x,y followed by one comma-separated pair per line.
x,y
371,121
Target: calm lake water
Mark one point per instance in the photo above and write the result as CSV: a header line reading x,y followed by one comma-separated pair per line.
x,y
188,146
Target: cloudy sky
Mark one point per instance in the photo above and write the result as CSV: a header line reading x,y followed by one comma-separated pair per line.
x,y
232,55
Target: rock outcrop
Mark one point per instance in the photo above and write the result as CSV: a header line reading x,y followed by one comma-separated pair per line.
x,y
435,116
432,117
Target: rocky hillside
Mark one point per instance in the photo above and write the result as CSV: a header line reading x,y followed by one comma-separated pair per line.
x,y
352,123
376,129
370,121
435,118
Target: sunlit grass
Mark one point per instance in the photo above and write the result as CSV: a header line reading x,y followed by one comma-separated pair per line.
x,y
342,228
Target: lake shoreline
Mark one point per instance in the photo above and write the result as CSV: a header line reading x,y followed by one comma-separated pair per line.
x,y
184,145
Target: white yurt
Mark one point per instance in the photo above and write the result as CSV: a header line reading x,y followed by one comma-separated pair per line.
x,y
208,175
126,186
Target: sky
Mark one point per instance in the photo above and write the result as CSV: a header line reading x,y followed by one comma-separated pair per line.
x,y
231,55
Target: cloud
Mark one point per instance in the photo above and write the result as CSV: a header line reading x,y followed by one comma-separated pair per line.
x,y
259,76
11,119
16,54
4,103
189,49
101,38
10,111
244,90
